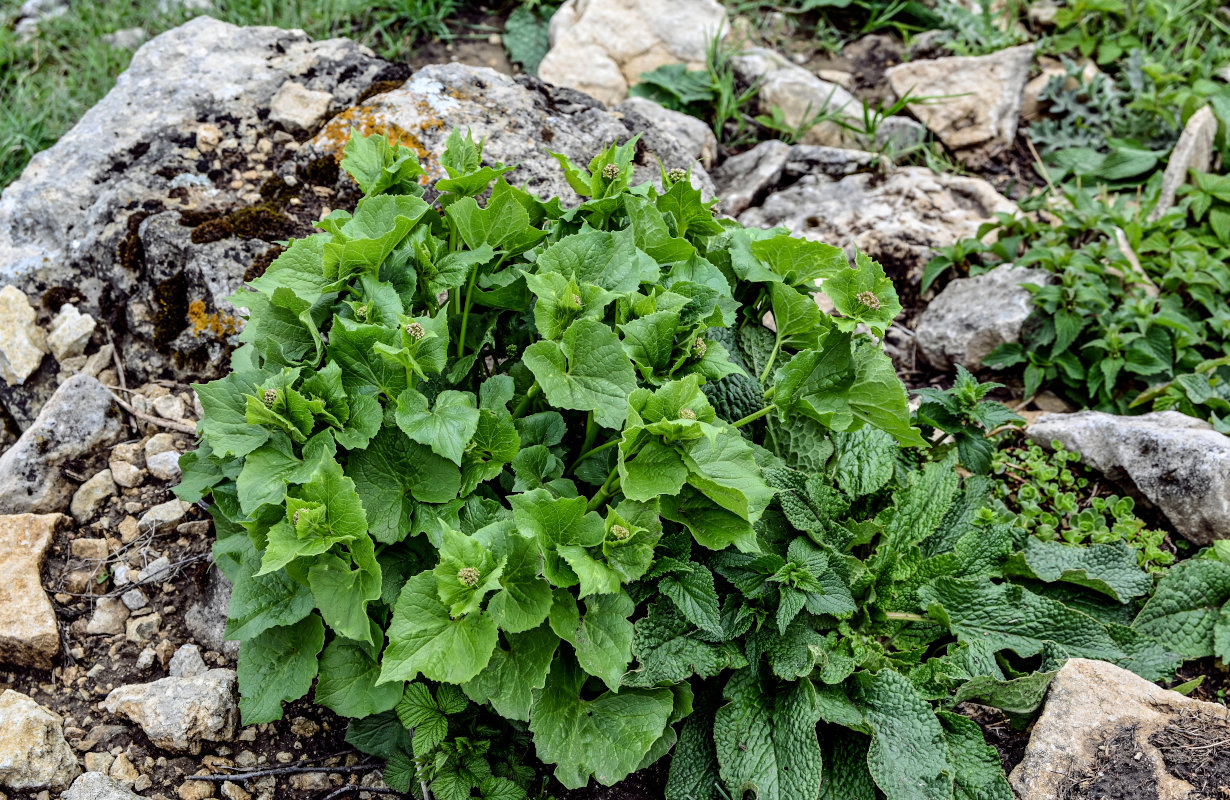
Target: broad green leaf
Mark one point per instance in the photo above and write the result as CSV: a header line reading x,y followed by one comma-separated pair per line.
x,y
863,295
1183,612
392,474
1009,616
423,638
259,602
605,737
800,262
602,636
694,596
349,670
587,371
668,650
908,757
514,674
977,772
278,666
446,428
1107,568
603,259
766,738
342,592
524,599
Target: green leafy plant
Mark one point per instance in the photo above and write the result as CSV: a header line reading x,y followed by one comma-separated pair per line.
x,y
1136,314
469,449
1044,494
964,414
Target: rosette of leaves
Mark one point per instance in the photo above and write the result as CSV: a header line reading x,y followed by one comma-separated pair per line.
x,y
464,474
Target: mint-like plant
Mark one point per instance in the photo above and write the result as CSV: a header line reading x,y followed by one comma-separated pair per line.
x,y
508,462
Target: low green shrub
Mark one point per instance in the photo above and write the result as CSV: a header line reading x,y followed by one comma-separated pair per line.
x,y
468,480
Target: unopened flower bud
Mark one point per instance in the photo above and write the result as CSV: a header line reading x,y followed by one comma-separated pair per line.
x,y
687,413
699,347
869,299
415,330
620,532
271,396
469,576
576,301
610,172
294,520
360,313
676,175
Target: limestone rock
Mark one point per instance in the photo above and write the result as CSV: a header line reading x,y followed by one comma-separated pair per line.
x,y
744,178
109,618
78,418
96,786
91,495
898,218
187,662
177,713
800,95
164,466
28,632
602,47
990,90
22,342
973,316
163,515
521,119
206,619
831,162
33,753
126,38
1093,710
70,220
70,333
126,475
1176,462
298,108
1193,151
693,134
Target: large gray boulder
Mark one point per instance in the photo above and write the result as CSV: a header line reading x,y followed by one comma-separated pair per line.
x,y
1176,462
192,96
973,316
899,217
78,418
522,119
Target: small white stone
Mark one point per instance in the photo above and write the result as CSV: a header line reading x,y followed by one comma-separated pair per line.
x,y
159,443
167,513
134,599
299,108
146,659
187,662
169,406
70,333
22,343
164,466
126,474
91,495
155,570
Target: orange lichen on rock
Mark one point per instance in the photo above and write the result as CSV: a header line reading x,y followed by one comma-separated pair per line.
x,y
217,323
369,120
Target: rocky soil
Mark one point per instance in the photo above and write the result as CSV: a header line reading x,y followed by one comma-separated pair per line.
x,y
120,246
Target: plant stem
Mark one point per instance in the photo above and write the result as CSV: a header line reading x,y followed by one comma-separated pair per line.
x,y
586,454
609,487
777,346
753,417
465,314
591,432
768,393
903,616
530,394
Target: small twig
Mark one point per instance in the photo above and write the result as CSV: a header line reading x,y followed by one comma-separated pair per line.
x,y
1046,175
161,577
262,773
115,356
345,790
182,427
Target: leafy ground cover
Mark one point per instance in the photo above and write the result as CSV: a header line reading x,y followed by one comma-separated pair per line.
x,y
470,478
